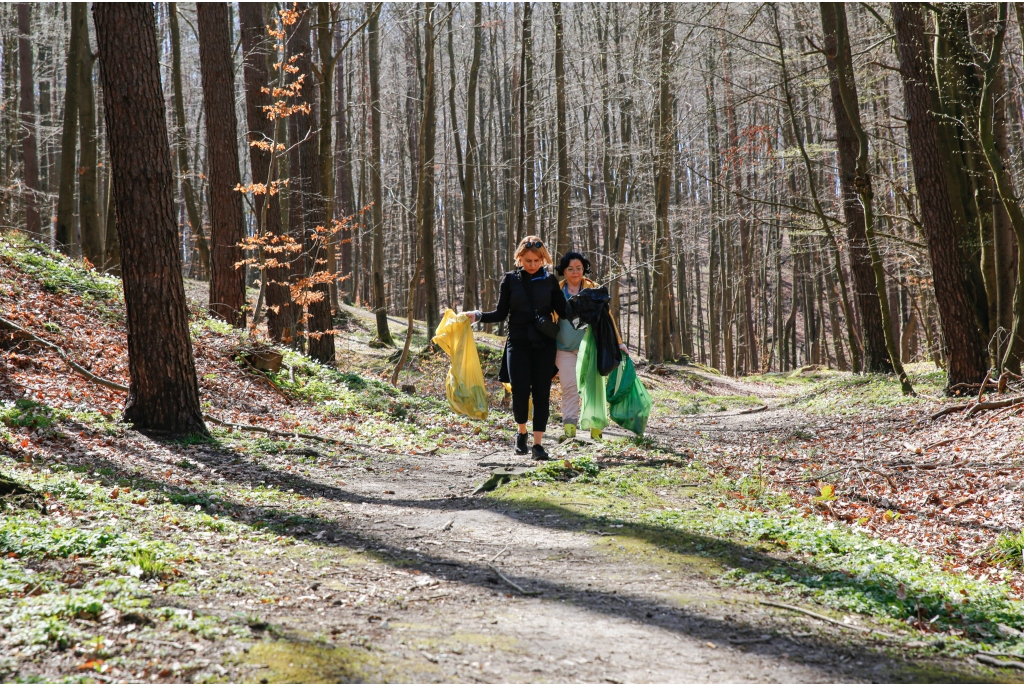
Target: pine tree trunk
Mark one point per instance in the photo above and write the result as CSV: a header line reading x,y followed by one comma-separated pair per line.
x,y
227,220
65,235
164,391
27,107
965,350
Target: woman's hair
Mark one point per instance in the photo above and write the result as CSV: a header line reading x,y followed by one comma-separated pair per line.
x,y
563,263
530,244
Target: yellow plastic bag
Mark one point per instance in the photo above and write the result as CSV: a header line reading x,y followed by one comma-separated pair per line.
x,y
464,386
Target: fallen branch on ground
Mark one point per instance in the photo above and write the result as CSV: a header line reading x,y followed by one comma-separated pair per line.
x,y
992,661
755,410
950,410
822,617
995,404
513,583
78,368
284,434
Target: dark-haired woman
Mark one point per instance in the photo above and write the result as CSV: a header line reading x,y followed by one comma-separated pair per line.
x,y
574,267
527,295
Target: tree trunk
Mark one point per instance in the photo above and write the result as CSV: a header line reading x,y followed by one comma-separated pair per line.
x,y
1004,186
836,25
564,188
181,145
306,181
64,232
660,346
876,357
164,391
425,193
965,350
88,182
380,305
256,49
468,179
27,107
227,220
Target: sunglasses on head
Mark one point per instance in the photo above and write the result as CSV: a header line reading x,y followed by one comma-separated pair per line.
x,y
533,243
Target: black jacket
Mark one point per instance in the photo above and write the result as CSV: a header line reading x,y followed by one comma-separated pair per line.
x,y
514,305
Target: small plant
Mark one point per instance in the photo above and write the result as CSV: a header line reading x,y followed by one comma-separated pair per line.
x,y
827,494
1008,549
27,414
144,564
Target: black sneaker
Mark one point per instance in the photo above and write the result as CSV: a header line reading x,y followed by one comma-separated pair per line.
x,y
539,453
521,447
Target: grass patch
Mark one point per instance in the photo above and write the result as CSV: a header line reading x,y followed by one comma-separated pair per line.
x,y
753,538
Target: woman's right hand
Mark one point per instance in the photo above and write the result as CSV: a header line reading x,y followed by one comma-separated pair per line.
x,y
472,316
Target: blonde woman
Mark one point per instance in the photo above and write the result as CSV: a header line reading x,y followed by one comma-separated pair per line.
x,y
530,299
574,267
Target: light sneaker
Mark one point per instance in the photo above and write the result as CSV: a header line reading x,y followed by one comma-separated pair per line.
x,y
569,431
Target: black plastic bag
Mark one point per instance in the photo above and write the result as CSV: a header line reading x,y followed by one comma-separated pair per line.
x,y
587,307
609,355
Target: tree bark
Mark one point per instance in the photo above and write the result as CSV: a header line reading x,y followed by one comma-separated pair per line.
x,y
965,350
163,389
88,182
660,346
27,107
834,19
425,192
306,181
876,357
64,233
1004,186
227,220
181,145
564,188
380,305
256,51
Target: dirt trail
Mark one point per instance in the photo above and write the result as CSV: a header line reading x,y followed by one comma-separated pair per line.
x,y
597,616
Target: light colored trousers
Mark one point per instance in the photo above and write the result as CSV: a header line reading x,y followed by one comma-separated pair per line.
x,y
566,363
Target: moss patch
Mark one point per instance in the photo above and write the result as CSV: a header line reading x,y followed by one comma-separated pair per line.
x,y
286,661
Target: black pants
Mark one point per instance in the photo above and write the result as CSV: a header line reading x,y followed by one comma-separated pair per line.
x,y
531,370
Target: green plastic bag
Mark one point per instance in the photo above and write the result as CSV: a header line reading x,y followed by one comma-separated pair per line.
x,y
591,385
620,381
464,386
634,408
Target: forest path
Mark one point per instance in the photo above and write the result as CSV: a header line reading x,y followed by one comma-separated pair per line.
x,y
434,609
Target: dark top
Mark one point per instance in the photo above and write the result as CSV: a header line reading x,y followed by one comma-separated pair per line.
x,y
514,305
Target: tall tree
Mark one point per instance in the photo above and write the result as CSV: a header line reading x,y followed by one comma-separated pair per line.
x,y
564,188
1004,182
876,356
164,391
90,227
227,219
965,350
262,129
64,232
425,192
27,107
380,305
660,345
306,189
833,19
181,145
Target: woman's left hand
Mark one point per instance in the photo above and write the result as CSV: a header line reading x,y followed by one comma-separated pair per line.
x,y
622,346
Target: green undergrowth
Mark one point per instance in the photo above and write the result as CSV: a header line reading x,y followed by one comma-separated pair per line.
x,y
60,274
675,402
753,538
835,393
